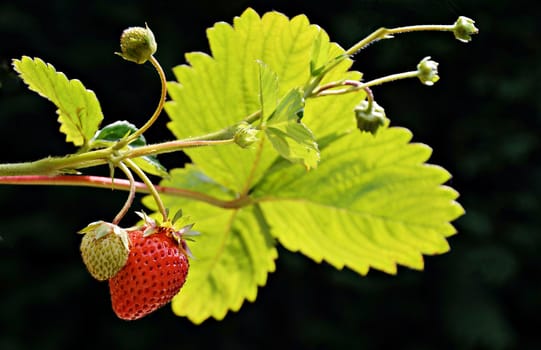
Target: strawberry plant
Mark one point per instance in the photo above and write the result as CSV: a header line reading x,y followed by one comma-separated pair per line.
x,y
287,146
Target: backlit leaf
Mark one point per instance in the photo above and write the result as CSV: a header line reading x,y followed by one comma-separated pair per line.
x,y
214,92
289,136
79,111
371,203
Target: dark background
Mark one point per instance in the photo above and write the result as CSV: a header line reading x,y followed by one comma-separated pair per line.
x,y
482,120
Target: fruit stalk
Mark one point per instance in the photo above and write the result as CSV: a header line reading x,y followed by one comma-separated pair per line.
x,y
131,195
152,189
463,28
326,90
159,108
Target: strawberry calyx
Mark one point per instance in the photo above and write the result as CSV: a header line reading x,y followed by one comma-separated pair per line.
x,y
103,228
152,226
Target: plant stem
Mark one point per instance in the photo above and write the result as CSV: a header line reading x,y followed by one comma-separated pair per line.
x,y
369,97
52,166
385,33
131,195
120,184
57,165
143,176
159,108
171,146
325,90
226,133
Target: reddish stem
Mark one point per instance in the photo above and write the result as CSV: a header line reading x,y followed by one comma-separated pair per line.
x,y
123,184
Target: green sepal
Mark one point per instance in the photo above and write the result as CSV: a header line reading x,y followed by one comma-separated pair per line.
x,y
177,216
102,229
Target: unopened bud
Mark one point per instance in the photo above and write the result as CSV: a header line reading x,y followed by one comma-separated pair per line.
x,y
245,135
370,117
137,44
464,28
428,71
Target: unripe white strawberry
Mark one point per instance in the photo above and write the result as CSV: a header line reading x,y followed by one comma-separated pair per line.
x,y
104,249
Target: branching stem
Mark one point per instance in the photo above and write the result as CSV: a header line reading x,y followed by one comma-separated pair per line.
x,y
57,165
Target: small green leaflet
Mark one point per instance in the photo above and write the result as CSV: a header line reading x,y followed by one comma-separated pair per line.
x,y
323,55
281,121
79,111
289,136
117,131
268,91
214,92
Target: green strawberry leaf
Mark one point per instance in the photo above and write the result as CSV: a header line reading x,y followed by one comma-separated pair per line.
x,y
214,92
116,131
292,139
371,203
295,142
232,256
268,91
319,56
289,109
323,55
79,111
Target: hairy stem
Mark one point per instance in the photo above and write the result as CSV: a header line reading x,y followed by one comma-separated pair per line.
x,y
57,165
369,97
131,195
327,89
159,108
385,33
119,184
152,189
52,166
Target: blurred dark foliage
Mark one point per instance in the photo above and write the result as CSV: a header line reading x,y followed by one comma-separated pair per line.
x,y
482,120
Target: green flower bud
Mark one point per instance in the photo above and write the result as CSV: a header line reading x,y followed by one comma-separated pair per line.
x,y
245,135
428,71
464,28
137,44
370,118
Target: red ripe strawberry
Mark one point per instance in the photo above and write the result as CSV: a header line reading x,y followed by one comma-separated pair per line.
x,y
155,272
